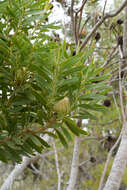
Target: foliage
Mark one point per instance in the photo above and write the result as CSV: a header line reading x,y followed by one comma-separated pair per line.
x,y
35,74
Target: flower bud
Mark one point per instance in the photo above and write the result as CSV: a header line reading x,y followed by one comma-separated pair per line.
x,y
63,106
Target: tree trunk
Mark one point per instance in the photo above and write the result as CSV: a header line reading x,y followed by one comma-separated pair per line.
x,y
75,165
119,164
120,161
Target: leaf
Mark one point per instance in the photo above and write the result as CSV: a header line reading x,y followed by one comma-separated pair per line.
x,y
70,61
36,140
71,125
62,139
34,12
78,130
71,70
66,133
97,86
83,132
50,134
33,145
39,97
3,156
95,107
85,115
68,84
14,155
27,148
42,141
100,78
41,71
92,96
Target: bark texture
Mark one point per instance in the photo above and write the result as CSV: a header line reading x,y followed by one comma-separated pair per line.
x,y
75,164
119,164
120,161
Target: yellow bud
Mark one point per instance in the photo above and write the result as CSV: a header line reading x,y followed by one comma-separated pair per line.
x,y
63,106
19,75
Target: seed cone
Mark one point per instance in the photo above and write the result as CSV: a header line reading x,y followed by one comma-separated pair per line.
x,y
63,106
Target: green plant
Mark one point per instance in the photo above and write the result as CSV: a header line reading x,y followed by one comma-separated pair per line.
x,y
37,73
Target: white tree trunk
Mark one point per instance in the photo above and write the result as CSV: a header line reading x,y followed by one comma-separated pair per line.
x,y
75,165
19,168
119,164
120,161
57,166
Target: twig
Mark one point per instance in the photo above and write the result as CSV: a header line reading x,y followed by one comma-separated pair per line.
x,y
104,7
84,162
120,88
108,15
80,17
85,23
75,28
57,165
117,107
107,162
83,4
111,56
72,20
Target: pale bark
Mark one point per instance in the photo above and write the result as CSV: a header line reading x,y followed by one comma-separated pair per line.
x,y
57,166
120,161
119,164
107,163
75,165
125,36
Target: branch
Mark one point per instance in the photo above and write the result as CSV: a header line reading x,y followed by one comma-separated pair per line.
x,y
84,162
72,20
104,7
80,17
108,15
114,98
85,23
57,166
120,88
113,53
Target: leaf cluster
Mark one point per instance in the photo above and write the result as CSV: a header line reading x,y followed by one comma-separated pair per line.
x,y
36,73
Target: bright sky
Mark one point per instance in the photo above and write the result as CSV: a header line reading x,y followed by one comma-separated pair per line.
x,y
59,15
58,12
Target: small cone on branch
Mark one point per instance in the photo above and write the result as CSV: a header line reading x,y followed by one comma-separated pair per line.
x,y
63,106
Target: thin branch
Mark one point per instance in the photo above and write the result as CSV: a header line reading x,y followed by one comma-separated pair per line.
x,y
57,165
111,56
108,15
120,88
73,20
117,107
104,7
80,17
85,23
83,4
75,28
107,162
84,162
